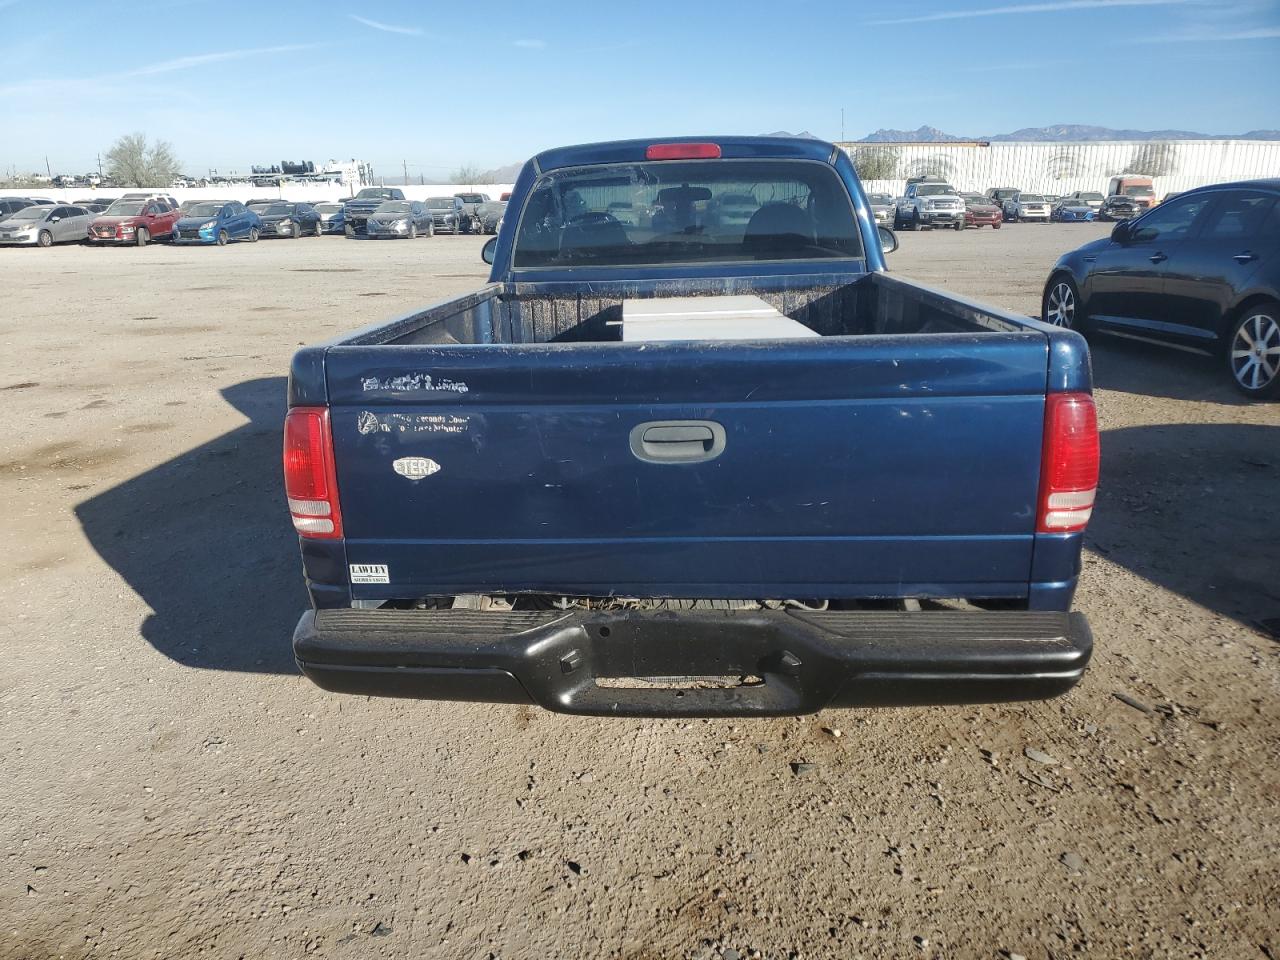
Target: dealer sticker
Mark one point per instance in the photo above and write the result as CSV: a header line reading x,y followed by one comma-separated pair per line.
x,y
369,573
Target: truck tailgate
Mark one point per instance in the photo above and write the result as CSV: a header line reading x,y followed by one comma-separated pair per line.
x,y
842,467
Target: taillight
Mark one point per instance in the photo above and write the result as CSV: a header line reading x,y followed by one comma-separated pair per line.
x,y
1069,466
310,481
682,151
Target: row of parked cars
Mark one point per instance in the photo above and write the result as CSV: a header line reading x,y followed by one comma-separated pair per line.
x,y
139,218
932,202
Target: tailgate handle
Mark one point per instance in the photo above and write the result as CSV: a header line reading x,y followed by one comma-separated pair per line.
x,y
677,441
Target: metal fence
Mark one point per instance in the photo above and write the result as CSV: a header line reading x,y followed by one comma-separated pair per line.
x,y
1173,165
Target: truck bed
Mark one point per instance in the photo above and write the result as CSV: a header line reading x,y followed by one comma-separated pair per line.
x,y
535,313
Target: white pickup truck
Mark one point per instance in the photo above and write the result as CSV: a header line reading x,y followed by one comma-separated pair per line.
x,y
930,203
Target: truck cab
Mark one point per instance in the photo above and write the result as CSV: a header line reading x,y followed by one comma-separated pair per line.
x,y
1133,187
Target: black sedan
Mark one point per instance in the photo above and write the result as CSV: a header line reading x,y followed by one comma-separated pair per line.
x,y
1199,271
283,219
1117,207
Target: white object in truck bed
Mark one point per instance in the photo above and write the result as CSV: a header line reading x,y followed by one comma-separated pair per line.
x,y
739,317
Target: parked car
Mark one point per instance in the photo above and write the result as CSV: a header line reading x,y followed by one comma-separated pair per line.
x,y
471,206
1135,187
1169,196
332,219
1118,208
152,195
1091,198
1023,207
448,214
134,221
400,219
1067,210
95,204
551,488
930,203
10,205
218,221
44,226
490,215
998,195
356,211
258,204
981,212
883,207
286,219
1200,271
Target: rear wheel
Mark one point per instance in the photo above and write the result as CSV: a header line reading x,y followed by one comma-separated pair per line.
x,y
915,219
45,239
1253,352
318,231
222,238
253,234
1061,303
431,228
413,231
141,237
349,230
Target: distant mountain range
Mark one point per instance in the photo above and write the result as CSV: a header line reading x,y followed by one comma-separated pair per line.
x,y
1061,133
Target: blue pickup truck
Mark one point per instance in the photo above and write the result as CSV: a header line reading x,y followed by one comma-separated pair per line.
x,y
526,494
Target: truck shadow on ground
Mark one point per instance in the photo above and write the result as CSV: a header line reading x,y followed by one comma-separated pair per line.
x,y
1131,366
205,541
1190,507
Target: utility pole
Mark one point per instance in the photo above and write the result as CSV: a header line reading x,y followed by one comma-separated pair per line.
x,y
99,166
46,166
405,166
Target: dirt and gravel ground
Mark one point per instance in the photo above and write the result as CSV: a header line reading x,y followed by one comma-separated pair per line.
x,y
171,788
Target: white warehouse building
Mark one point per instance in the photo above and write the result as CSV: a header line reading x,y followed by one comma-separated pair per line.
x,y
1173,165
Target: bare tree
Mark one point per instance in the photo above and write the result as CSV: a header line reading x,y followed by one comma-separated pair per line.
x,y
467,174
875,163
130,161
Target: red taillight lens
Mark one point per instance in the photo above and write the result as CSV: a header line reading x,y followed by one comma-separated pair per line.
x,y
1069,466
310,481
682,151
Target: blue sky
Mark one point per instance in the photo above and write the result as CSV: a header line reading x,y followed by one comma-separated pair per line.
x,y
439,84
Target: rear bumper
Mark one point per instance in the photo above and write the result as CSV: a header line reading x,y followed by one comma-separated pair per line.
x,y
804,661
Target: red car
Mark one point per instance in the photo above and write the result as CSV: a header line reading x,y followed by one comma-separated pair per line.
x,y
135,221
980,212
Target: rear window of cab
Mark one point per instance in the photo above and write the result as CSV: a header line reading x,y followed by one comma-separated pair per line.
x,y
681,212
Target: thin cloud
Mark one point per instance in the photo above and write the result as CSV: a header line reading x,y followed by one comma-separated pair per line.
x,y
1056,7
387,27
529,44
73,86
1262,33
201,59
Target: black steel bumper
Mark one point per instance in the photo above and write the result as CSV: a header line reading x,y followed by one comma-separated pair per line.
x,y
602,663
